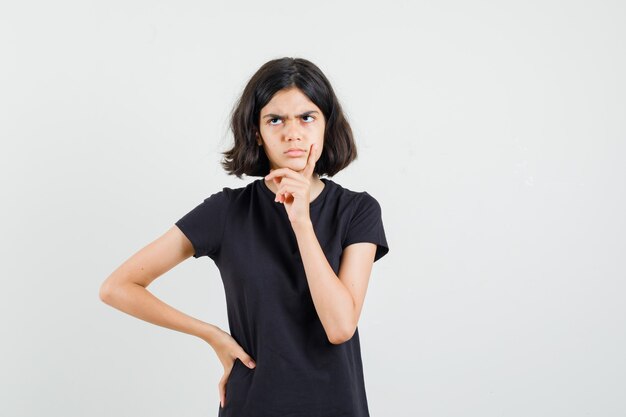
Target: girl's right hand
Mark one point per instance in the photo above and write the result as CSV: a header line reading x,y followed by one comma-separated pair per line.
x,y
228,351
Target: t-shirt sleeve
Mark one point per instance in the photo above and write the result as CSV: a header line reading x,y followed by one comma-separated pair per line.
x,y
366,225
204,225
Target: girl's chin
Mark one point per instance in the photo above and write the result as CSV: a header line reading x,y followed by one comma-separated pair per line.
x,y
292,164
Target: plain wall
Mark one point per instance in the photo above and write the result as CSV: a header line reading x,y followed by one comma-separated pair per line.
x,y
492,133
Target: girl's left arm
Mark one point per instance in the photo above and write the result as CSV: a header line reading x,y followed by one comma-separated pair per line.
x,y
339,299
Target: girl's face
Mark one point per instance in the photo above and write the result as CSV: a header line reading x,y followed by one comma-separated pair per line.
x,y
290,120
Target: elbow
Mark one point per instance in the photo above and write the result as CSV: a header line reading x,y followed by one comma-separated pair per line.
x,y
115,288
343,332
105,293
108,291
336,341
339,337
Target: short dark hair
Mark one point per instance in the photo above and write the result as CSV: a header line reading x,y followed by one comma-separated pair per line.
x,y
246,157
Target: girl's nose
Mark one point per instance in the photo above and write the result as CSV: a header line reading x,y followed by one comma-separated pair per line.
x,y
292,130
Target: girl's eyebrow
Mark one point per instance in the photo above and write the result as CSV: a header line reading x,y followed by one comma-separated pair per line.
x,y
278,116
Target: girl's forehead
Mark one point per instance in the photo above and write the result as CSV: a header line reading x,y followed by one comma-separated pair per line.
x,y
290,99
293,93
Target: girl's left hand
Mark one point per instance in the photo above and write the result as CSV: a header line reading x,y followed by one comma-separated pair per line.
x,y
294,188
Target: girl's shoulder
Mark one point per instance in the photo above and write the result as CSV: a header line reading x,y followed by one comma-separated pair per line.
x,y
352,195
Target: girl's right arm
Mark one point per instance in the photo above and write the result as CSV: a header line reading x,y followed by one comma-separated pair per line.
x,y
126,290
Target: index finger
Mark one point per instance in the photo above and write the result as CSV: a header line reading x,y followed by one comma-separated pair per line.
x,y
307,171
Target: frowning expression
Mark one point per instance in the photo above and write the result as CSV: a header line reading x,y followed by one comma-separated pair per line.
x,y
290,121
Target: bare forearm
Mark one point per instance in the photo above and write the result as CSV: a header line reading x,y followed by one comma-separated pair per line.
x,y
332,300
137,301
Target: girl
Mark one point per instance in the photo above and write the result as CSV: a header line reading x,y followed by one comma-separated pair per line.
x,y
294,251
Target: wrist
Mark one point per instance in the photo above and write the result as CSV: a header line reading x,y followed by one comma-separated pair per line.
x,y
302,225
210,334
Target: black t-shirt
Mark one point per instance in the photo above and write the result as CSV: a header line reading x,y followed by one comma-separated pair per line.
x,y
271,314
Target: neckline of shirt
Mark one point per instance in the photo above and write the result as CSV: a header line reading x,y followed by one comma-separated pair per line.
x,y
313,203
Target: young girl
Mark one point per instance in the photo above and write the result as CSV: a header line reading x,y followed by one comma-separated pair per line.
x,y
294,251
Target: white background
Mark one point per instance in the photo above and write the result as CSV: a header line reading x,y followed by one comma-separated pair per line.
x,y
492,134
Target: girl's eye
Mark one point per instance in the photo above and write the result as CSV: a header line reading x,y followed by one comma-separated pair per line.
x,y
270,121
